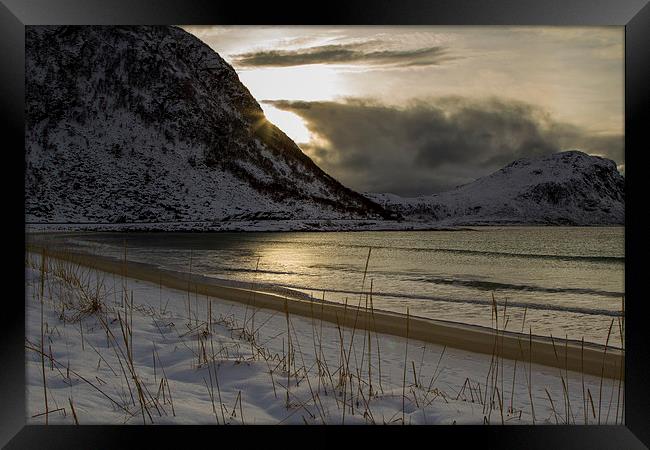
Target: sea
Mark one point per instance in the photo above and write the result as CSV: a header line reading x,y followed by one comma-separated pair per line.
x,y
565,282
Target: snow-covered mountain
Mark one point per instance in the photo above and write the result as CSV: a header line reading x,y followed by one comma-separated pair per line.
x,y
567,188
148,124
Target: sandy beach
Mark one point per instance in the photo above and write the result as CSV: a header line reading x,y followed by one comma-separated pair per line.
x,y
571,355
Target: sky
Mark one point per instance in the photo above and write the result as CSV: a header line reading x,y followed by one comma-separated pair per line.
x,y
419,110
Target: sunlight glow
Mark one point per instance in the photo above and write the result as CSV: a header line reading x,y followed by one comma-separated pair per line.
x,y
307,83
290,123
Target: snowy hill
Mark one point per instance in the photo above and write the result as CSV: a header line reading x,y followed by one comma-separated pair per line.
x,y
567,188
148,124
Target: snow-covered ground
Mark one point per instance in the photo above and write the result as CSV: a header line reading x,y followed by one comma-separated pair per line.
x,y
121,351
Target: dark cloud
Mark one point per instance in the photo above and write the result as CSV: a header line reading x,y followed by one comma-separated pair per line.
x,y
357,53
432,146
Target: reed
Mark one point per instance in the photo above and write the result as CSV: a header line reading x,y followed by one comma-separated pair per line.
x,y
74,413
621,396
216,379
286,313
530,373
42,285
582,373
406,349
602,376
210,390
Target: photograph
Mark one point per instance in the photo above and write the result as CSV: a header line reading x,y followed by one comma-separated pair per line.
x,y
325,225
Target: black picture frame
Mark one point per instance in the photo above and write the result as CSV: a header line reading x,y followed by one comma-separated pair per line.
x,y
633,14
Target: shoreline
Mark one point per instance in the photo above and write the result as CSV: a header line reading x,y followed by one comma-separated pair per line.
x,y
287,225
252,225
593,359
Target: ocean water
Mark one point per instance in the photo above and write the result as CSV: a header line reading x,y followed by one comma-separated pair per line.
x,y
560,281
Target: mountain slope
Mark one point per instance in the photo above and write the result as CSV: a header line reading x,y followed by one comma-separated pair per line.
x,y
127,124
570,188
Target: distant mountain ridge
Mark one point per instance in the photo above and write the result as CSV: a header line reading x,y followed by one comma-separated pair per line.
x,y
146,124
566,188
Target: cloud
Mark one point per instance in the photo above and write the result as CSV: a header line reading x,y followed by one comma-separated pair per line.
x,y
367,53
434,145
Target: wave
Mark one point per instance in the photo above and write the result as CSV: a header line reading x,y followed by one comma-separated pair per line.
x,y
493,286
267,271
475,284
588,258
460,251
510,303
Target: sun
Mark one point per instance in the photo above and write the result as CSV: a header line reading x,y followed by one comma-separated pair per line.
x,y
292,125
302,83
